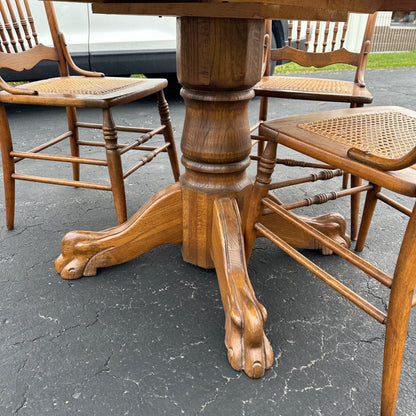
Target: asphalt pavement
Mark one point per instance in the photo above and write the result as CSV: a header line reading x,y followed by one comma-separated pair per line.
x,y
146,337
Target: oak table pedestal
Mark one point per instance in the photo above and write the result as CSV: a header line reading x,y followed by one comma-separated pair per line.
x,y
219,61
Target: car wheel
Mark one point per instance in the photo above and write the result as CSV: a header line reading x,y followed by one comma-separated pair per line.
x,y
280,30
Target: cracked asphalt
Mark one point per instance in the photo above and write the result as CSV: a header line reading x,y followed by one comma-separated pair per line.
x,y
147,337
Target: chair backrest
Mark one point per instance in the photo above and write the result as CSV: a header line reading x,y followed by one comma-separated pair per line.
x,y
20,48
323,45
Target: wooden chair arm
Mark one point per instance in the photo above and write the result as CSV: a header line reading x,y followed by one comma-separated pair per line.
x,y
16,90
381,163
359,76
72,64
265,67
267,46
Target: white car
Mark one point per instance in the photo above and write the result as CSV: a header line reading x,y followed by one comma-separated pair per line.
x,y
113,44
117,45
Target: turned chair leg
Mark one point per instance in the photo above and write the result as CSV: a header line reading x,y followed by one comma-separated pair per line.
x,y
168,133
8,168
115,169
345,179
71,113
368,212
400,305
264,105
260,189
355,207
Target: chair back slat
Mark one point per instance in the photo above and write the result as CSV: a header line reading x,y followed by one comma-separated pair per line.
x,y
317,59
334,42
298,37
3,43
27,59
308,35
316,36
344,32
16,28
24,23
7,34
31,22
326,33
322,45
20,31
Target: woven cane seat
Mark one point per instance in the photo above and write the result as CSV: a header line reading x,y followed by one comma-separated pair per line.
x,y
84,85
307,84
312,88
386,134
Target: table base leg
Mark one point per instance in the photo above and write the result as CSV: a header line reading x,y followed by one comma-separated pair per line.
x,y
247,346
332,225
158,222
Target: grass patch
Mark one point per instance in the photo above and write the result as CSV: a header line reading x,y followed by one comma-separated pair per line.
x,y
375,61
17,83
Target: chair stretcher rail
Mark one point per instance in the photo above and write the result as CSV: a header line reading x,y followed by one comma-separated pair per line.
x,y
146,159
56,181
326,277
343,252
45,145
59,158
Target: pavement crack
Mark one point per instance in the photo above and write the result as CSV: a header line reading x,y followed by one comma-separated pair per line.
x,y
372,340
97,315
31,340
66,329
106,366
22,366
305,369
376,296
23,402
217,392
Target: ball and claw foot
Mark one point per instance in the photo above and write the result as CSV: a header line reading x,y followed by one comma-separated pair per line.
x,y
248,348
77,250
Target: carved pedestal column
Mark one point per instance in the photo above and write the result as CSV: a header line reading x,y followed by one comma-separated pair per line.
x,y
219,62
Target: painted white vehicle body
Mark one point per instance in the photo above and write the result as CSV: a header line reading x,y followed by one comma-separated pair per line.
x,y
114,44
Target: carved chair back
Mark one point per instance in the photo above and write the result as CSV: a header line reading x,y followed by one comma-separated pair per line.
x,y
20,48
324,45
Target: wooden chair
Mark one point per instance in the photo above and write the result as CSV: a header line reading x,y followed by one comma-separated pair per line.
x,y
377,144
324,45
20,49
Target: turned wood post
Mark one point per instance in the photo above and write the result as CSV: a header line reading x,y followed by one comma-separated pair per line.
x,y
219,63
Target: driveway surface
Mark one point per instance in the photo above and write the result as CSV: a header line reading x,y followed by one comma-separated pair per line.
x,y
146,338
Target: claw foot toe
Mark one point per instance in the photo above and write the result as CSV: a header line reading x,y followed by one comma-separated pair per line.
x,y
248,348
77,250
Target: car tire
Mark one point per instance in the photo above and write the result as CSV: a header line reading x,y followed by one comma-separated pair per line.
x,y
280,32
